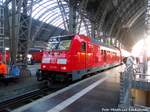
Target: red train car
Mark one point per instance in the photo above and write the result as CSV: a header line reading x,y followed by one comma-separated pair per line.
x,y
35,55
7,56
72,57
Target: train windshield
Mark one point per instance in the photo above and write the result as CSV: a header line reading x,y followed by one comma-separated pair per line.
x,y
59,43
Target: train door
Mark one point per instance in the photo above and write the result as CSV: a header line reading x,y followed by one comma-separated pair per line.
x,y
105,56
89,55
83,55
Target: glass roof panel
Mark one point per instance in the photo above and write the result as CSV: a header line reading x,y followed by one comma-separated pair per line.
x,y
49,12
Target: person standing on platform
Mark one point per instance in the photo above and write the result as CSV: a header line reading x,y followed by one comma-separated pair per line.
x,y
129,62
3,69
15,71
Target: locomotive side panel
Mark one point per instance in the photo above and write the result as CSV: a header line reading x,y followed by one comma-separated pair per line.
x,y
74,55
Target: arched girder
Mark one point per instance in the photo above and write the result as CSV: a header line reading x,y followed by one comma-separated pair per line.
x,y
119,22
134,18
41,25
51,8
36,6
49,14
54,30
114,15
133,12
63,14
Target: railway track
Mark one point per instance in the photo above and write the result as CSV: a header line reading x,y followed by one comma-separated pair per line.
x,y
18,101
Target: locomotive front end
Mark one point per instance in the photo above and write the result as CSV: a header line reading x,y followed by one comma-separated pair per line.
x,y
55,61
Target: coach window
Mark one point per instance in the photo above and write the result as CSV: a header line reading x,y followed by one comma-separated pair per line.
x,y
105,55
83,47
101,52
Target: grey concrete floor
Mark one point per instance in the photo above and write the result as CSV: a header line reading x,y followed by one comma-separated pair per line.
x,y
105,95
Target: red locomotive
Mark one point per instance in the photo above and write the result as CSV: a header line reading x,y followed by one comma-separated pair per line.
x,y
35,55
72,57
7,56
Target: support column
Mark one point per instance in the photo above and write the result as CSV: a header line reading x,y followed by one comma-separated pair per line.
x,y
72,16
13,42
115,43
63,14
24,38
145,62
147,31
92,30
2,35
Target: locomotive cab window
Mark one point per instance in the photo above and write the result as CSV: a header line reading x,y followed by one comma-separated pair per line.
x,y
59,43
83,47
104,52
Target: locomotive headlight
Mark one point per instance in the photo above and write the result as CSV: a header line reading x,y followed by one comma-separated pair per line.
x,y
63,68
29,56
43,66
62,61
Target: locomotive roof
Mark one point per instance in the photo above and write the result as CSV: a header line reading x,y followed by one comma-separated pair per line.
x,y
93,40
96,41
62,36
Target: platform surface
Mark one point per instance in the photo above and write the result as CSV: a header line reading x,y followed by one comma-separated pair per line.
x,y
93,94
15,87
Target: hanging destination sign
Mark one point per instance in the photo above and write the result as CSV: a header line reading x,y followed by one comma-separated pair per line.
x,y
54,40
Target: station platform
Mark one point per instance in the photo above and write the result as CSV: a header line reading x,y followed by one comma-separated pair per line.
x,y
15,87
93,94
